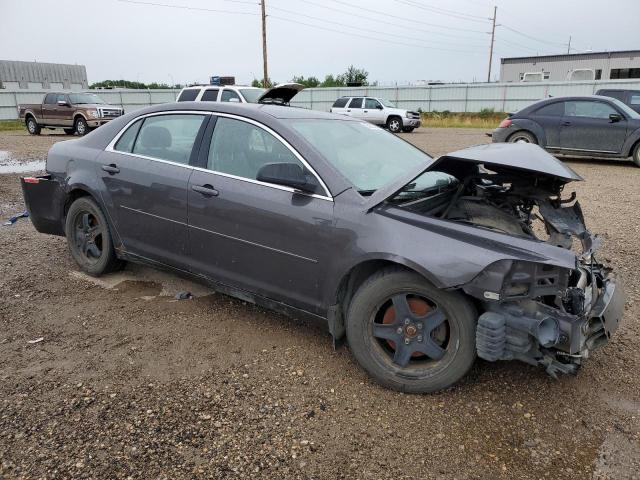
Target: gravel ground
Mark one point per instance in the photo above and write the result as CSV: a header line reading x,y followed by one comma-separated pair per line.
x,y
130,383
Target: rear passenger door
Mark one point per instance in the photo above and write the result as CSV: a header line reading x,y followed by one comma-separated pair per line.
x,y
145,174
210,95
354,109
49,108
259,237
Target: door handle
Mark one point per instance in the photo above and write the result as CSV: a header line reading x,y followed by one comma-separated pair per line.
x,y
349,110
566,124
206,190
366,111
111,169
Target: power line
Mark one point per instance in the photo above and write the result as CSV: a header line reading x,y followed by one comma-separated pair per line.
x,y
367,36
373,30
386,14
443,11
530,37
185,7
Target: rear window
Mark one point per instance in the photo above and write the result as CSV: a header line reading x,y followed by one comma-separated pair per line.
x,y
189,95
340,103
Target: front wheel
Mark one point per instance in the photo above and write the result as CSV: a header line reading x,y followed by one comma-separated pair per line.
x,y
81,127
408,334
394,124
89,238
32,126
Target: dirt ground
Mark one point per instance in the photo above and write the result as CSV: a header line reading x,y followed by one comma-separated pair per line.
x,y
130,383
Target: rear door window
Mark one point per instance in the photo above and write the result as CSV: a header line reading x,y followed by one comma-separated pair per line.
x,y
210,95
189,95
168,137
50,99
356,102
228,95
125,142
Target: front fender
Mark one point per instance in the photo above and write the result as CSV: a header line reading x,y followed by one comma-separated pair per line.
x,y
627,148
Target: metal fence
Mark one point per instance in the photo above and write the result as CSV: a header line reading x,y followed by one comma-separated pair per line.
x,y
472,97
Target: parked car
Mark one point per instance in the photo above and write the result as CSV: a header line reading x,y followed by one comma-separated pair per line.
x,y
591,126
74,112
377,111
628,97
421,262
280,94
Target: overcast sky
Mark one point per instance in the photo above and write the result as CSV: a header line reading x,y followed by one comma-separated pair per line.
x,y
395,40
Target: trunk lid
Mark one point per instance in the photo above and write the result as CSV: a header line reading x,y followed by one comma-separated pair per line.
x,y
281,94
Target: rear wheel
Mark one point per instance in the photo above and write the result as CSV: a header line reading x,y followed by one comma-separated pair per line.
x,y
523,137
636,155
32,126
89,238
81,126
394,124
69,131
409,335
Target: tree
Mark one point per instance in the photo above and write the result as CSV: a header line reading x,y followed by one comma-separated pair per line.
x,y
310,82
128,84
260,83
331,81
355,75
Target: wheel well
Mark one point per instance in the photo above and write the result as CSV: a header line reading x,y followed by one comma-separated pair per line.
x,y
28,116
633,147
525,131
72,196
352,281
393,116
77,116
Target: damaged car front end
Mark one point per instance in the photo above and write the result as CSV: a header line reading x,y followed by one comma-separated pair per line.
x,y
552,312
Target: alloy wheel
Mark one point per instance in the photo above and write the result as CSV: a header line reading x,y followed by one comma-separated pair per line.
x,y
88,236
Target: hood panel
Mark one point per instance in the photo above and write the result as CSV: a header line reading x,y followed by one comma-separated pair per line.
x,y
523,157
281,94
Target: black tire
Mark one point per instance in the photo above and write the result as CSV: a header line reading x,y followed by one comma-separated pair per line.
x,y
32,126
69,131
636,155
453,337
522,136
394,124
81,126
408,129
89,238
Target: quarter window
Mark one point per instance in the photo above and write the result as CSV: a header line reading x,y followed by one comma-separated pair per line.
x,y
228,95
552,110
168,137
210,95
340,103
356,103
188,95
125,142
242,149
371,103
588,109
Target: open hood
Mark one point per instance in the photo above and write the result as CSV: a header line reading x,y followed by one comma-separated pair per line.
x,y
525,157
281,94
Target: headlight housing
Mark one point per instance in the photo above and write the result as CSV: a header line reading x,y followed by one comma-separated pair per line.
x,y
94,113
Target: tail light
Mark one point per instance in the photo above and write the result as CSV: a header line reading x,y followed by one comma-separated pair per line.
x,y
506,123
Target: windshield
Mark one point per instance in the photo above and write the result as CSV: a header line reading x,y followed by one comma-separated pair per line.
x,y
252,95
366,155
80,98
386,103
625,108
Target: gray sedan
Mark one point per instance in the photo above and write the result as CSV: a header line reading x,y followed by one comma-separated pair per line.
x,y
422,264
588,126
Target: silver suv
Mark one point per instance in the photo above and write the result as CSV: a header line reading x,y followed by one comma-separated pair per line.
x,y
377,111
280,94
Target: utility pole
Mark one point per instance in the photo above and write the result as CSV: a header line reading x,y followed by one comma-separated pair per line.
x,y
569,46
493,35
265,80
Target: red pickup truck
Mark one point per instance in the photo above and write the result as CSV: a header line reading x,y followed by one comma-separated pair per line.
x,y
74,112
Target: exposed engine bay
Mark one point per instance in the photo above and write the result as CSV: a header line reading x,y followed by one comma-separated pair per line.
x,y
539,313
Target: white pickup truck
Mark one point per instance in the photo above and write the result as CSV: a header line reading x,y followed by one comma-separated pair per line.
x,y
377,111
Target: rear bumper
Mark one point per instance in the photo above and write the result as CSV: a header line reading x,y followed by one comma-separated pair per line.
x,y
500,135
44,198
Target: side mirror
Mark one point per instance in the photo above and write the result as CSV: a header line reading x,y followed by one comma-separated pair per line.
x,y
615,117
63,103
380,107
287,174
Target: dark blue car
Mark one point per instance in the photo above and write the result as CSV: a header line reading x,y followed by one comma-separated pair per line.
x,y
590,126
